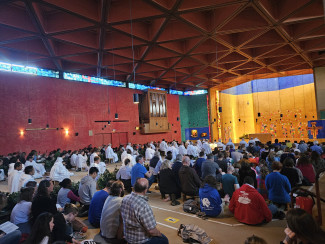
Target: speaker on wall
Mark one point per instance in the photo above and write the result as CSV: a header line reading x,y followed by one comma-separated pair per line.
x,y
76,134
220,109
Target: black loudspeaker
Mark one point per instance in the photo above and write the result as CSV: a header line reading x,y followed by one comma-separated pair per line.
x,y
175,131
281,115
258,114
214,119
76,134
177,118
239,120
220,109
134,133
295,116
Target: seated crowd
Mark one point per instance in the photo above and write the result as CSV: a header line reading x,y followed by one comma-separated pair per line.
x,y
254,180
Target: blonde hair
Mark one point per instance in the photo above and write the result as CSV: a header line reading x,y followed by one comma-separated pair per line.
x,y
166,165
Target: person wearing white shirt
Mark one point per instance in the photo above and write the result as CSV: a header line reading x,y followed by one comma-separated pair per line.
x,y
251,141
191,150
39,168
152,145
220,145
230,143
207,148
26,176
14,177
129,146
163,146
82,161
93,155
21,211
182,150
199,144
73,159
243,142
124,174
130,157
58,171
149,153
109,153
101,166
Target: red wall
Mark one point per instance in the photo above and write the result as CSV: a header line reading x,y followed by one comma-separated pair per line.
x,y
71,105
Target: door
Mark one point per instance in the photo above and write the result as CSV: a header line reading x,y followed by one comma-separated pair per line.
x,y
107,138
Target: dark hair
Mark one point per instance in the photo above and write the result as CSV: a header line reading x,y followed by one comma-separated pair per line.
x,y
210,180
288,162
66,183
126,161
276,165
314,156
116,189
255,240
42,188
109,183
304,225
264,171
201,154
210,156
303,160
29,157
17,165
41,228
138,158
28,169
70,208
248,180
32,184
26,194
138,187
93,170
128,151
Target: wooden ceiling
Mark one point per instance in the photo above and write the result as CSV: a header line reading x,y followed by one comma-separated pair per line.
x,y
177,44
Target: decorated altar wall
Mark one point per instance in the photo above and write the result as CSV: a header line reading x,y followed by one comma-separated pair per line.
x,y
280,106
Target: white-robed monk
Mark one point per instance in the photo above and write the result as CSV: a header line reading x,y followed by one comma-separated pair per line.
x,y
152,145
13,178
182,150
39,168
26,176
92,156
191,150
199,144
163,146
109,153
73,159
101,166
82,161
243,142
129,146
58,171
221,145
229,143
207,148
149,153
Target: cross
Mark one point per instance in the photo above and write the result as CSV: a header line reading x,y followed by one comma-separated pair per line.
x,y
314,129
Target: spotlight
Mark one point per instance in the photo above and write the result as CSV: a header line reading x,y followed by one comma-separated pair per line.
x,y
21,133
66,132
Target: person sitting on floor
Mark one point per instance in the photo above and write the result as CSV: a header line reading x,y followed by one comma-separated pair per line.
x,y
42,229
13,178
58,171
210,201
248,206
229,181
87,189
98,164
168,182
26,176
190,181
124,174
111,224
65,194
97,203
39,168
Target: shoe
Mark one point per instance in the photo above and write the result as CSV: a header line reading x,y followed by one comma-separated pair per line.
x,y
175,203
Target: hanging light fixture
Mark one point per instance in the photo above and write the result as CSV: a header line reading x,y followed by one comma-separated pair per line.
x,y
116,115
29,121
135,98
109,122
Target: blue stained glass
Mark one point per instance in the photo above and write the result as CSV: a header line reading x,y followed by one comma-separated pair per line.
x,y
197,92
93,80
23,69
144,87
47,73
5,66
175,92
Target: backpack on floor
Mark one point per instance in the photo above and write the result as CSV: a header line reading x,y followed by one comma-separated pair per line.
x,y
193,234
191,206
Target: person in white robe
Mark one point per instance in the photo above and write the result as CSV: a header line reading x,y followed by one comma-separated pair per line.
x,y
163,146
93,155
73,159
243,142
131,158
199,144
129,146
182,150
221,145
26,176
191,150
13,178
229,143
251,141
207,148
123,155
82,161
101,166
174,151
109,153
149,153
39,168
256,140
58,171
152,145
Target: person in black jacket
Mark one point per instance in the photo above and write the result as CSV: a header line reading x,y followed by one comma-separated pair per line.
x,y
190,181
245,170
63,230
168,183
42,201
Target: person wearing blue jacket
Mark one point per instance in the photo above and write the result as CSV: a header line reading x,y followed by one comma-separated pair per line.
x,y
210,201
278,185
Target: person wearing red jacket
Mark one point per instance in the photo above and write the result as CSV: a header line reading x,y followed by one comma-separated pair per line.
x,y
248,205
